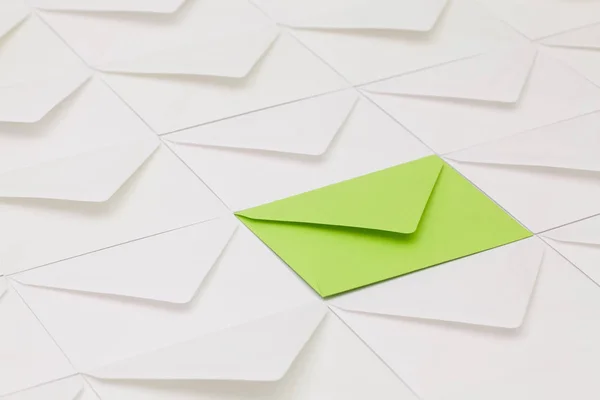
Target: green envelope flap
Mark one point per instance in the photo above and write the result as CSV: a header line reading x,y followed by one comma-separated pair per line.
x,y
391,200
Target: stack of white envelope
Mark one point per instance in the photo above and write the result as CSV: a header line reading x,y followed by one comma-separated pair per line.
x,y
132,130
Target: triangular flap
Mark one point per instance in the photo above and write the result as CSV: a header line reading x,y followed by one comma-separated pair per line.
x,y
167,267
88,177
29,102
259,350
572,145
494,77
491,288
304,127
12,12
409,15
585,38
231,55
64,389
391,200
142,6
583,232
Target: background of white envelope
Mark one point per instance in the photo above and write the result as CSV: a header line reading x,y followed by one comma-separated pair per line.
x,y
130,130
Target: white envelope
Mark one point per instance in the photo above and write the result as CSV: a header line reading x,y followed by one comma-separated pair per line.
x,y
37,70
540,18
580,243
472,101
71,388
545,177
297,354
151,293
207,60
28,356
516,322
580,49
271,154
12,12
366,40
86,176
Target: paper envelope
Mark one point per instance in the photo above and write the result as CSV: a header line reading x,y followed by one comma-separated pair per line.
x,y
367,40
91,170
517,322
204,61
472,101
580,49
381,225
71,388
290,149
37,70
580,243
151,293
300,353
540,18
545,177
28,356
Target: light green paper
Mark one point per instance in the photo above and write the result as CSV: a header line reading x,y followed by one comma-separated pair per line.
x,y
381,225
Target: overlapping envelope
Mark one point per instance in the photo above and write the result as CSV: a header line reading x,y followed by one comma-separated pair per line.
x,y
580,243
475,100
366,40
516,322
300,353
71,388
89,174
580,49
545,177
381,225
28,356
290,149
184,63
151,293
538,19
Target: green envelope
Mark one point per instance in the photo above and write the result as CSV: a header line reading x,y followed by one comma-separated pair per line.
x,y
381,225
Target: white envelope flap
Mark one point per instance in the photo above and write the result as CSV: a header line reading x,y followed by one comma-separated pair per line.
x,y
89,177
232,54
260,350
492,288
304,127
409,15
585,38
149,6
37,72
168,267
494,77
568,145
12,12
65,389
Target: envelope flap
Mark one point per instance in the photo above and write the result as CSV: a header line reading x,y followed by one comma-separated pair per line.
x,y
232,54
30,101
259,350
585,38
12,12
390,200
412,15
147,6
491,288
493,77
583,232
167,267
89,177
303,127
64,389
570,145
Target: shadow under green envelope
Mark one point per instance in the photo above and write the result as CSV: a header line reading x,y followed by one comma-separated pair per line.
x,y
381,225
